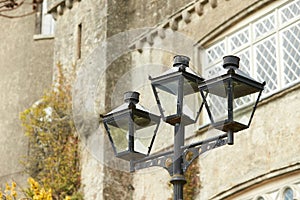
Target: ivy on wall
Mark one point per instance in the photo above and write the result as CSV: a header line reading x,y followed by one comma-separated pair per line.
x,y
192,187
53,157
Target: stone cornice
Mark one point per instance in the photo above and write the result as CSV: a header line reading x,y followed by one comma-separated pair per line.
x,y
184,15
171,22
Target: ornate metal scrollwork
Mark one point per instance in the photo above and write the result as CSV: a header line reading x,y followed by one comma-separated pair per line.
x,y
190,153
164,160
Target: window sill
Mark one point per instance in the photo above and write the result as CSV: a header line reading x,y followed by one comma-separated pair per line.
x,y
43,37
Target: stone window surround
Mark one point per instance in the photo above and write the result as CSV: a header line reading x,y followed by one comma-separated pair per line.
x,y
278,193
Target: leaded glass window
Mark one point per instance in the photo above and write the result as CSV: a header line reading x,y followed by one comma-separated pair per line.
x,y
266,63
264,25
290,42
289,12
269,48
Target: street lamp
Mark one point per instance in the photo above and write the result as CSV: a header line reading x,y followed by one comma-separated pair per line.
x,y
180,86
231,98
128,127
176,91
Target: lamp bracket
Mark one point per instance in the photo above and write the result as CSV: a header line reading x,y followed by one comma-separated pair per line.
x,y
190,153
164,160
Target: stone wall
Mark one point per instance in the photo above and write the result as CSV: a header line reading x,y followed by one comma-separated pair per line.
x,y
107,68
80,29
260,153
92,17
105,60
26,71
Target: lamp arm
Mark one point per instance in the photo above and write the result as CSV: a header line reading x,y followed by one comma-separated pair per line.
x,y
198,148
165,160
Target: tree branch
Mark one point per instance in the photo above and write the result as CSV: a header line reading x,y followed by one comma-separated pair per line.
x,y
11,5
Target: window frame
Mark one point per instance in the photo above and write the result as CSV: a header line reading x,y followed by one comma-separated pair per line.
x,y
248,24
43,18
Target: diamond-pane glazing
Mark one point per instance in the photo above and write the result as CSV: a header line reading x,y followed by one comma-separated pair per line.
x,y
245,67
214,71
242,101
239,39
291,53
218,107
215,52
261,45
290,11
265,62
265,25
245,64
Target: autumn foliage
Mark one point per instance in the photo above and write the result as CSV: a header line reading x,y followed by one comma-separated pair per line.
x,y
53,159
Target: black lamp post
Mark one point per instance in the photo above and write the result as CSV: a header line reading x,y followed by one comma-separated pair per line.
x,y
177,88
176,92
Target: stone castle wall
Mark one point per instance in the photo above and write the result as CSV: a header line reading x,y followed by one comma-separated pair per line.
x,y
173,25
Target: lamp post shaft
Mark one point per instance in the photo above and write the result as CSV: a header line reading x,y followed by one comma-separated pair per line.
x,y
178,179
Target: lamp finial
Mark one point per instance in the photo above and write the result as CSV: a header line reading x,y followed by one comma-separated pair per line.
x,y
131,97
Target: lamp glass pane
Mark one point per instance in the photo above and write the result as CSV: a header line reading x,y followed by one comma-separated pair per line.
x,y
242,108
143,137
245,96
217,101
120,137
191,100
167,93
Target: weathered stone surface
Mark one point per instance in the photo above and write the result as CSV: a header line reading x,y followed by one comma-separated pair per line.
x,y
91,16
26,71
268,145
107,25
